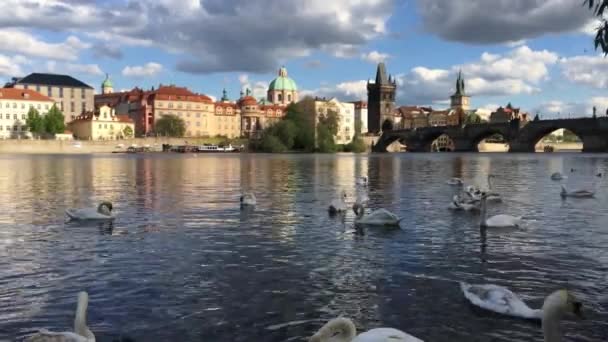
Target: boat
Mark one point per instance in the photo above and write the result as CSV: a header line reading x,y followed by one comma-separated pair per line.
x,y
209,148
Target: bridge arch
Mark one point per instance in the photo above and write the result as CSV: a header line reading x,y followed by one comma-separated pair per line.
x,y
387,125
483,136
429,139
540,134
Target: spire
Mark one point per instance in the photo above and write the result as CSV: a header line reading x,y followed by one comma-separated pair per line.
x,y
248,92
283,71
381,74
224,95
460,84
242,94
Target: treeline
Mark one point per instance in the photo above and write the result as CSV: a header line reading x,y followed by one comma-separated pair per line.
x,y
50,124
296,132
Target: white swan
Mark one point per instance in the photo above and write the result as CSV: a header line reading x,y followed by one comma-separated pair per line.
x,y
248,199
81,331
363,180
338,205
498,299
380,217
362,199
473,192
576,193
103,212
556,305
491,194
454,181
459,203
342,329
557,176
497,221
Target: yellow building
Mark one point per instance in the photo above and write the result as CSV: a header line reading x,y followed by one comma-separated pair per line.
x,y
345,111
103,124
14,106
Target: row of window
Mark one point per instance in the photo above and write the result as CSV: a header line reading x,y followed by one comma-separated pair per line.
x,y
49,91
23,106
180,106
14,128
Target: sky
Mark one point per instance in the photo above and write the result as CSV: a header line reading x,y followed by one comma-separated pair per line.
x,y
536,54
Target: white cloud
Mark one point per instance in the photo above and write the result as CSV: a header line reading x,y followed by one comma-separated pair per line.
x,y
17,41
561,109
72,68
375,57
147,70
587,70
344,91
12,66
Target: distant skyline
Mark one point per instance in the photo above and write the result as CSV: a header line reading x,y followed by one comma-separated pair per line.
x,y
536,54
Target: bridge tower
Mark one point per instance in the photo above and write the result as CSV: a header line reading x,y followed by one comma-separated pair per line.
x,y
381,101
460,100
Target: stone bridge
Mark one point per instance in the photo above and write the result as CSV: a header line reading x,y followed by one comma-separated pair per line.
x,y
521,137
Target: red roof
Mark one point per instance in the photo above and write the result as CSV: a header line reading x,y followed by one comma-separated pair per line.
x,y
22,95
124,118
226,104
248,101
180,93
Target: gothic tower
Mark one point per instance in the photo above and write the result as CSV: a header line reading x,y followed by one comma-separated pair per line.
x,y
381,101
460,100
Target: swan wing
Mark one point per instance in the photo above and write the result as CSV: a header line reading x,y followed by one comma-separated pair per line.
x,y
49,336
86,214
337,205
380,217
498,299
385,335
503,220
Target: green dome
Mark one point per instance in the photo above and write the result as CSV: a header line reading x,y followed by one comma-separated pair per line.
x,y
283,82
107,83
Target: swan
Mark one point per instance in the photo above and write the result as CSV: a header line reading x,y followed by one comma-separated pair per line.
x,y
576,193
103,212
498,299
557,176
338,205
362,199
490,194
497,221
81,331
460,204
380,217
473,192
501,300
248,199
342,329
362,180
454,181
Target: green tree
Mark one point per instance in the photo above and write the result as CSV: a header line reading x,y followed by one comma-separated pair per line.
x,y
569,136
171,126
357,145
54,121
128,132
327,128
272,144
599,8
304,139
472,119
35,122
286,131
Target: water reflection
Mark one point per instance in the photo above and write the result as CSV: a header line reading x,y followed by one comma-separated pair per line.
x,y
183,261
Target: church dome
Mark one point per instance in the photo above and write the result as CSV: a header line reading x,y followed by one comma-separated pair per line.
x,y
283,82
107,83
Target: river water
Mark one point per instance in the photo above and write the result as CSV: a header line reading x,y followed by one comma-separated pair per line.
x,y
182,262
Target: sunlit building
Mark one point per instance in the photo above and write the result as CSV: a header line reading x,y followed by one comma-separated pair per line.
x,y
102,124
14,106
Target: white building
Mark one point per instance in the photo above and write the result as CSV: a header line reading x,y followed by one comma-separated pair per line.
x,y
346,117
361,115
14,105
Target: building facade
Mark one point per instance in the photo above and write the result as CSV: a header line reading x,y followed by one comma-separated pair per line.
x,y
73,97
345,112
282,90
381,101
360,117
102,124
255,116
14,106
508,113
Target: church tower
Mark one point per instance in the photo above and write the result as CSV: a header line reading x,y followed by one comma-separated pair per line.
x,y
381,101
106,86
460,100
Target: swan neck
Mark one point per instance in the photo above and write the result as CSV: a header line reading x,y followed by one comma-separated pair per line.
x,y
551,329
483,213
80,321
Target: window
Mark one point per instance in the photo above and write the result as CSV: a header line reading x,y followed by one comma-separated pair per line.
x,y
170,105
38,88
14,104
15,128
111,126
25,86
23,106
72,107
8,128
105,126
280,97
60,91
39,106
288,97
99,125
24,128
82,94
49,92
1,128
46,107
8,105
14,116
179,105
105,115
84,106
72,92
22,116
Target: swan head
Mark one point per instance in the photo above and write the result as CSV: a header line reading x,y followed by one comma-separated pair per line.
x,y
105,207
562,302
336,330
359,209
344,195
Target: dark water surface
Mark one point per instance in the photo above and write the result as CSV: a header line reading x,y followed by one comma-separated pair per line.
x,y
183,263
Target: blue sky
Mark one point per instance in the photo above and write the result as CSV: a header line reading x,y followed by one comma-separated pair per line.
x,y
537,54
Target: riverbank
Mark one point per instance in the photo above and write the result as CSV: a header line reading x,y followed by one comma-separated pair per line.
x,y
558,147
88,147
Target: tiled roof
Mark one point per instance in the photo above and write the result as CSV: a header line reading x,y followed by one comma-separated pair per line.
x,y
22,95
179,93
53,80
248,101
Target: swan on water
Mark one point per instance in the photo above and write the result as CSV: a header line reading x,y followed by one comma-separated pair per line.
x,y
498,299
501,300
497,221
342,329
81,333
557,176
338,205
473,192
362,180
458,203
490,194
576,193
362,199
102,212
455,181
379,217
248,199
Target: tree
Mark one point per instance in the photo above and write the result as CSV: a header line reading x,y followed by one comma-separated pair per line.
x,y
327,128
35,122
286,131
171,126
54,121
128,132
272,144
472,119
601,38
357,145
